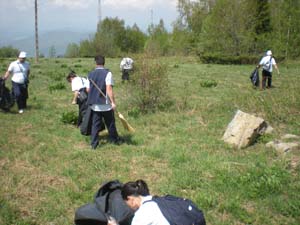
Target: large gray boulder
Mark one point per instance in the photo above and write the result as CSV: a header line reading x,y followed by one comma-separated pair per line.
x,y
244,129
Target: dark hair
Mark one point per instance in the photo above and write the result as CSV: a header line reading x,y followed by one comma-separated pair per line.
x,y
135,188
100,60
72,74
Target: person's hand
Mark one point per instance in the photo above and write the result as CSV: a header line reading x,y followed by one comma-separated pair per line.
x,y
113,106
112,222
73,102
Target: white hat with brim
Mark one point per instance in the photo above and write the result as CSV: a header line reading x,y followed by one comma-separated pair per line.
x,y
22,55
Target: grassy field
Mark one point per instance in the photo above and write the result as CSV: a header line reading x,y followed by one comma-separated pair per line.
x,y
48,169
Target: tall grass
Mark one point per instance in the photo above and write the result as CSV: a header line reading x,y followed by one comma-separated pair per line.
x,y
48,170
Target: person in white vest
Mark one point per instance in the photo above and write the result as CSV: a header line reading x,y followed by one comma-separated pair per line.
x,y
126,66
267,63
20,70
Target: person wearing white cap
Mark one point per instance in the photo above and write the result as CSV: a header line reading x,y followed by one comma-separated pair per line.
x,y
20,70
267,63
126,66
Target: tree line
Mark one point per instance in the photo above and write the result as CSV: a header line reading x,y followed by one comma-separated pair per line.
x,y
224,31
212,29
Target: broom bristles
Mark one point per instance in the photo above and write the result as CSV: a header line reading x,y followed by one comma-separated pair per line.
x,y
125,123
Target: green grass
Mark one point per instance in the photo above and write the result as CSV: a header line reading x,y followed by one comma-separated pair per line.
x,y
48,169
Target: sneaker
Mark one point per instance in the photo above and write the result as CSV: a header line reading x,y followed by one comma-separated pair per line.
x,y
21,111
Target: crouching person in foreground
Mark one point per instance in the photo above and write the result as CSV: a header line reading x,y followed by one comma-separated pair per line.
x,y
137,196
164,210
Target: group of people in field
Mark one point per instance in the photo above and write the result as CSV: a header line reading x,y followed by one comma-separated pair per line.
x,y
96,92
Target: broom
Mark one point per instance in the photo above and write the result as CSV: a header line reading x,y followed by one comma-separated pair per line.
x,y
124,122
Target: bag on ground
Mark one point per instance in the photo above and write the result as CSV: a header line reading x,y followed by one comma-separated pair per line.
x,y
107,202
86,124
179,211
7,99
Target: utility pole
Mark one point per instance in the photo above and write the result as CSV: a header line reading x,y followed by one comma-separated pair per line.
x,y
36,33
99,11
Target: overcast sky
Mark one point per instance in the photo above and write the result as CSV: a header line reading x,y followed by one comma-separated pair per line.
x,y
82,15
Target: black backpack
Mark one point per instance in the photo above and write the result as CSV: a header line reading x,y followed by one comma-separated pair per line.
x,y
179,211
108,202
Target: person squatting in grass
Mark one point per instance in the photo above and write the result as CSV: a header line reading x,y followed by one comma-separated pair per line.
x,y
20,70
79,87
267,63
102,102
135,194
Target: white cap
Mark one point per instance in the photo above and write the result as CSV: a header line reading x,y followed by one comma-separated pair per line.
x,y
22,55
269,52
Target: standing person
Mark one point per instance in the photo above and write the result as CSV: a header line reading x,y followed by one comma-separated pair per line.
x,y
102,102
267,63
79,87
20,70
137,196
126,66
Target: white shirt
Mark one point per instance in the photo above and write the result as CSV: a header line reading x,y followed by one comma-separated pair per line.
x,y
104,107
78,83
19,71
149,214
126,63
267,63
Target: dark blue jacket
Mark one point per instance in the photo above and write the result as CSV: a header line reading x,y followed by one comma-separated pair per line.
x,y
98,76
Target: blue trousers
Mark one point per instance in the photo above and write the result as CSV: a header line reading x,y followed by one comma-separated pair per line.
x,y
109,120
20,92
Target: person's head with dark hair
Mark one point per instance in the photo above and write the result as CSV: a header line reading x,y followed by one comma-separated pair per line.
x,y
132,193
100,60
71,75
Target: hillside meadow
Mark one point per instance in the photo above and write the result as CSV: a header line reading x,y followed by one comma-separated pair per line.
x,y
48,169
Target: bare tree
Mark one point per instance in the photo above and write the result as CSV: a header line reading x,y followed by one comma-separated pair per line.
x,y
36,32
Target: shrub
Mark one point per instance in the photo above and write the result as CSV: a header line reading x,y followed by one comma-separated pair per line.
x,y
229,59
69,118
58,86
209,83
150,84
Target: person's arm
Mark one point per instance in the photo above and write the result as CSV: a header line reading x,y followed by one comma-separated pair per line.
x,y
6,75
276,67
74,101
110,93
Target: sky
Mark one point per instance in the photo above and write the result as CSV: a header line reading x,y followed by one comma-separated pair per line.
x,y
17,16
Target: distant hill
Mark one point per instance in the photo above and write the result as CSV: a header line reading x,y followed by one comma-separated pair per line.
x,y
59,39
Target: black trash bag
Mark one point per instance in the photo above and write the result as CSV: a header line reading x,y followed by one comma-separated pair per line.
x,y
108,202
7,99
254,77
86,124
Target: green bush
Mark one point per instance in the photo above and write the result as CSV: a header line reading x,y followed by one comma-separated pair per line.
x,y
150,85
232,60
69,117
58,86
209,83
